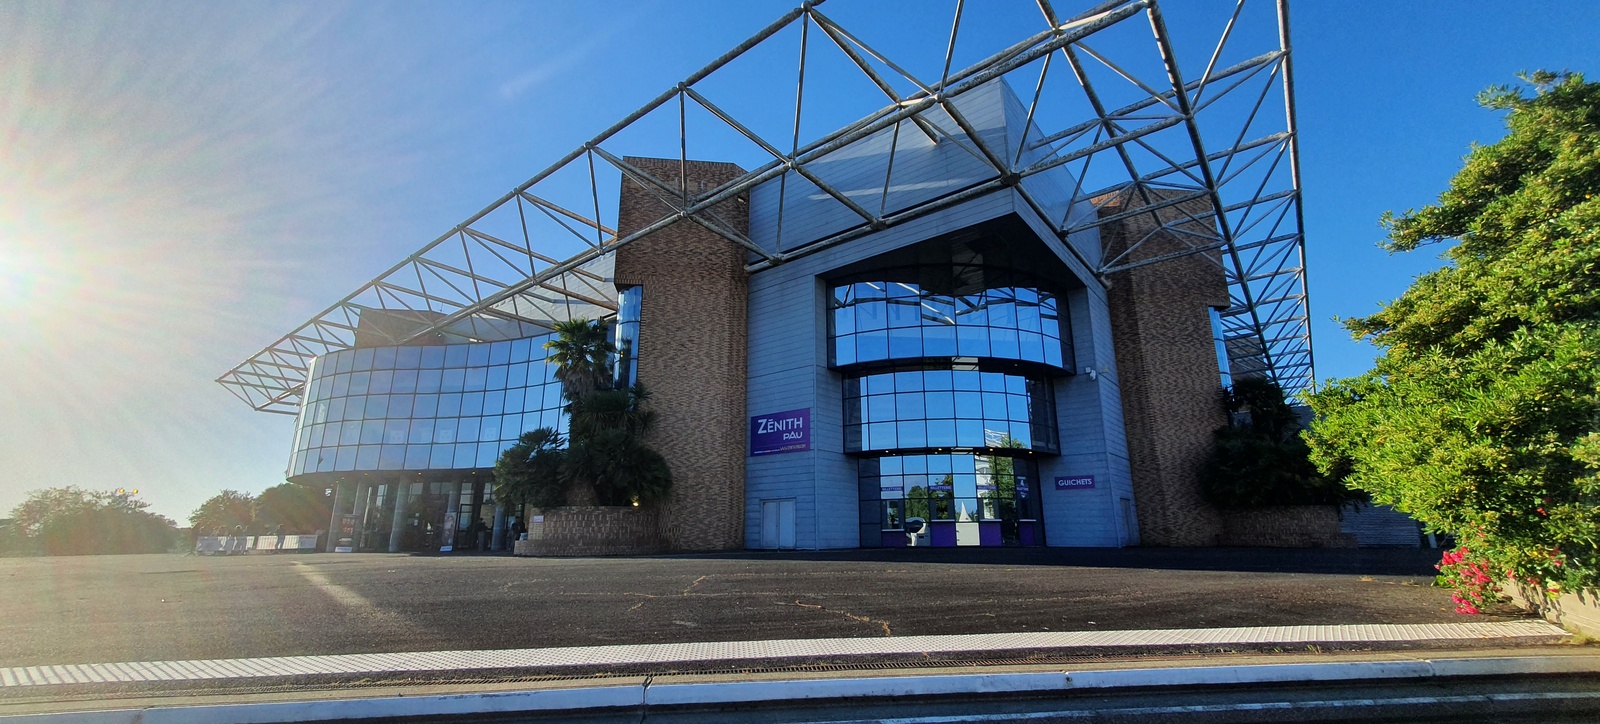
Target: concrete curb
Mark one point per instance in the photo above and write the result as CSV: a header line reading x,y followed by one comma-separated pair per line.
x,y
645,695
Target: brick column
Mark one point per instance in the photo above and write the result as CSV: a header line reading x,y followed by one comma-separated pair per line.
x,y
692,351
1170,381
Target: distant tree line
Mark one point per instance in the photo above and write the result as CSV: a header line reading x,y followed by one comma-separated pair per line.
x,y
69,521
288,508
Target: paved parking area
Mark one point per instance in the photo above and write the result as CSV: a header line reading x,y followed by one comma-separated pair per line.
x,y
159,608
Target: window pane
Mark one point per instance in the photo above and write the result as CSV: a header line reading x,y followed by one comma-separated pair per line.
x,y
367,457
393,457
405,381
449,405
444,429
417,456
455,355
441,457
394,431
421,432
500,353
408,358
467,429
432,357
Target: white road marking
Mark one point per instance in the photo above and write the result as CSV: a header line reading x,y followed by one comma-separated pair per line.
x,y
644,654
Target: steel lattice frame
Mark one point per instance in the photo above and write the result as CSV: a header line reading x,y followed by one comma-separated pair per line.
x,y
473,283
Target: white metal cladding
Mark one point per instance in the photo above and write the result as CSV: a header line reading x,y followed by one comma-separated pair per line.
x,y
1142,116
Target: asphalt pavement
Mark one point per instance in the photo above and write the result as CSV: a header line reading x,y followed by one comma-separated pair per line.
x,y
167,607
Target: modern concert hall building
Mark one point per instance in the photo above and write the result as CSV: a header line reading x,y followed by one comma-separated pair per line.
x,y
994,308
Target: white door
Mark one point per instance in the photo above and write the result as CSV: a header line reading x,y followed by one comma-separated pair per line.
x,y
777,523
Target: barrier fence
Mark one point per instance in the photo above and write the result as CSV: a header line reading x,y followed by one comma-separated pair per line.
x,y
211,545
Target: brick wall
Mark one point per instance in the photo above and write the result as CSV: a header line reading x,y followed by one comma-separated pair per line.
x,y
692,350
1166,358
1287,526
595,531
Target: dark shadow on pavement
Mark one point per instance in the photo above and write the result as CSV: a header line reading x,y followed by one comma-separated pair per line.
x,y
1363,561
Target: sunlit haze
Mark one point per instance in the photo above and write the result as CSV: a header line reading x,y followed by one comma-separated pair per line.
x,y
181,183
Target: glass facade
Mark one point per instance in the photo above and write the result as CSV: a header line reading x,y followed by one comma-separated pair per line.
x,y
940,500
423,408
947,408
626,368
948,395
875,321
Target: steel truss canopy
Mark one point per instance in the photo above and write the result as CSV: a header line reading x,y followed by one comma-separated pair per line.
x,y
1187,121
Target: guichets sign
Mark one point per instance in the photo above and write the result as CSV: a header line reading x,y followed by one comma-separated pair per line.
x,y
780,432
1075,482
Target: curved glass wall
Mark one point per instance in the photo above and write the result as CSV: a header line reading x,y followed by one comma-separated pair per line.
x,y
941,500
946,408
885,319
947,396
423,408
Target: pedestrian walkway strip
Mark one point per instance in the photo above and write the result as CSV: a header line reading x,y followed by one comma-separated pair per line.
x,y
731,651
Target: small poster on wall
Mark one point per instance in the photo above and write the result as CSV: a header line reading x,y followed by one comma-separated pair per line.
x,y
447,539
346,543
780,432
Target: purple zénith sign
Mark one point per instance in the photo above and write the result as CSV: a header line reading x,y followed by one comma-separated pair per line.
x,y
1075,482
780,432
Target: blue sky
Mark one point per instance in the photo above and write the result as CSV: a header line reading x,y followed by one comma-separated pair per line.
x,y
180,183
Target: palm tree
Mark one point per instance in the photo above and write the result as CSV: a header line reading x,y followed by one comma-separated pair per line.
x,y
529,472
606,460
612,410
608,453
581,352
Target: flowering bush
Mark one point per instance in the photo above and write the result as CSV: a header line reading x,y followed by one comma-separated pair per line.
x,y
1469,577
1482,416
1474,575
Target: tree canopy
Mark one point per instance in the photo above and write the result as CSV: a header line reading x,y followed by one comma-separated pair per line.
x,y
223,512
1259,460
604,458
1482,415
73,521
581,351
297,508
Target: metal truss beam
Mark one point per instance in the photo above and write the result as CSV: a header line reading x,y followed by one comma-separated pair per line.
x,y
477,282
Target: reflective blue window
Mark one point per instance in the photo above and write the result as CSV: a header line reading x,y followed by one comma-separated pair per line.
x,y
432,358
959,499
383,358
395,408
1010,318
912,409
408,358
